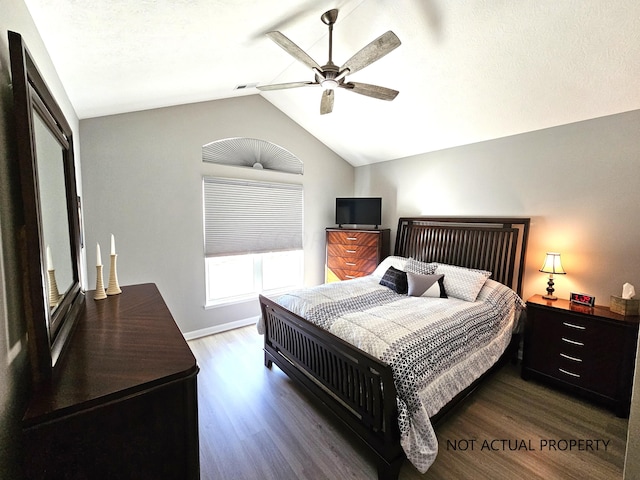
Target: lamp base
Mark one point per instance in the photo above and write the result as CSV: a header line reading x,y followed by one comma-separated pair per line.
x,y
550,289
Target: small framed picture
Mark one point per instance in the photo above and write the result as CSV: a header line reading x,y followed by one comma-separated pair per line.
x,y
582,299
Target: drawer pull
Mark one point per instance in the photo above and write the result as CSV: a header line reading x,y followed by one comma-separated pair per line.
x,y
350,264
351,251
353,239
579,327
572,342
564,355
350,276
576,375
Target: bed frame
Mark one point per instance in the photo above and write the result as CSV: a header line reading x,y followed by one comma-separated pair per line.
x,y
357,387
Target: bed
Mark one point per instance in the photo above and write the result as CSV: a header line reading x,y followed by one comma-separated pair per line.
x,y
391,363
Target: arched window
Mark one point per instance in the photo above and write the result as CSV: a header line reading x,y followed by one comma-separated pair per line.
x,y
253,230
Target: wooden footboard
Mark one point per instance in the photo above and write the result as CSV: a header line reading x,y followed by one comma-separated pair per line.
x,y
355,386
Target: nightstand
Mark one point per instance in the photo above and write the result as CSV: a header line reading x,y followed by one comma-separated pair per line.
x,y
589,351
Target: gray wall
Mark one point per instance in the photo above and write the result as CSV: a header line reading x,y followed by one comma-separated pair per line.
x,y
142,175
14,365
580,185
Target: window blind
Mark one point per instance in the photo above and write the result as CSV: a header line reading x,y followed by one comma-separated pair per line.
x,y
243,216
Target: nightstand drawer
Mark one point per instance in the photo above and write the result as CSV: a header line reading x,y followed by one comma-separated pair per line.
x,y
570,369
591,351
555,331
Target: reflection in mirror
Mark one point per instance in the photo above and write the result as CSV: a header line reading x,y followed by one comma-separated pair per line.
x,y
53,209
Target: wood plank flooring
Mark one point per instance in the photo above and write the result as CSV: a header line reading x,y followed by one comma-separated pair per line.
x,y
256,424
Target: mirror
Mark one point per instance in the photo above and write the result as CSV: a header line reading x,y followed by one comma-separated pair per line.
x,y
50,237
53,206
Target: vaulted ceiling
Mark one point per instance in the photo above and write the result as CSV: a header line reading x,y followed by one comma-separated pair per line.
x,y
467,71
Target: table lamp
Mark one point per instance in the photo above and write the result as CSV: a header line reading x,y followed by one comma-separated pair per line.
x,y
552,265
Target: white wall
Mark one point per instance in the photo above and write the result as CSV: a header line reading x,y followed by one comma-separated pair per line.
x,y
142,175
579,183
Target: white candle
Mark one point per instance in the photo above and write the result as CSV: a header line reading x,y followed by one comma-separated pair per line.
x,y
49,259
98,256
113,245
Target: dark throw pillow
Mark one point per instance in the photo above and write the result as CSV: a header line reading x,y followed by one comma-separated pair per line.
x,y
396,280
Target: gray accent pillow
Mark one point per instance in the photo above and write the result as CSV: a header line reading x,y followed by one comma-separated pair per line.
x,y
425,285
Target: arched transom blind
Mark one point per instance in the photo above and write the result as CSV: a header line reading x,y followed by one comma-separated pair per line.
x,y
251,152
243,216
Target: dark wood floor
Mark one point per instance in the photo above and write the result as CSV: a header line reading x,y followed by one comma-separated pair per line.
x,y
255,424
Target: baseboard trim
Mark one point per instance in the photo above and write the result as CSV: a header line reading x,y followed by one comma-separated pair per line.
x,y
221,328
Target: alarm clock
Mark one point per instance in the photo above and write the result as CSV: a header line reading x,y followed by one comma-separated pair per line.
x,y
582,299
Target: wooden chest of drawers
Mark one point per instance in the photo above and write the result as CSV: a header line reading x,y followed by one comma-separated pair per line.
x,y
354,253
590,351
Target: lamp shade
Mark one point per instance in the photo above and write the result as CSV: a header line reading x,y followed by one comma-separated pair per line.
x,y
552,264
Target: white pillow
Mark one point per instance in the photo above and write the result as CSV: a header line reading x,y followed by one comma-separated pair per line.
x,y
462,283
425,285
423,268
390,261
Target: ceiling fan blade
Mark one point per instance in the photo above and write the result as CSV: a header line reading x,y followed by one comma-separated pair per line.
x,y
377,49
326,104
292,49
374,91
282,86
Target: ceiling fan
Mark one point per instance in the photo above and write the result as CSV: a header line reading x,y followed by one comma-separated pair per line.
x,y
330,76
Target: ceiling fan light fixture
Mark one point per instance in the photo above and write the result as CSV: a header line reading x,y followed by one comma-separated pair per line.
x,y
329,84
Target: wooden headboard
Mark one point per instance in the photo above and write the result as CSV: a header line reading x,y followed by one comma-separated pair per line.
x,y
487,243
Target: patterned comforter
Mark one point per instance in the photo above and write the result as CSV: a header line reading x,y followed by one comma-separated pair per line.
x,y
435,347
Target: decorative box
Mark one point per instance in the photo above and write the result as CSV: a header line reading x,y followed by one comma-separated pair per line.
x,y
624,306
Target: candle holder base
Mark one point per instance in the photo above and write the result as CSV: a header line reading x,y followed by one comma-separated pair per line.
x,y
113,288
100,293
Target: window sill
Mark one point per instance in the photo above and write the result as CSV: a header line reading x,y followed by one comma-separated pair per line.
x,y
224,302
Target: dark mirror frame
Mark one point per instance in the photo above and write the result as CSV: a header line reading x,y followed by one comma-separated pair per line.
x,y
48,329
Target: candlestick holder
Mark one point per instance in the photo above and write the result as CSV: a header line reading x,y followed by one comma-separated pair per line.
x,y
113,288
54,294
100,293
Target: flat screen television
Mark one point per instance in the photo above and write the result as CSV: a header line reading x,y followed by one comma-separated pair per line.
x,y
359,211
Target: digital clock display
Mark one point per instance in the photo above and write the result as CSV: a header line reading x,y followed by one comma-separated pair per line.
x,y
583,299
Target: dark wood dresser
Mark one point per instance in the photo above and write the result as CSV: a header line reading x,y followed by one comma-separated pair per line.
x,y
123,403
354,253
587,350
